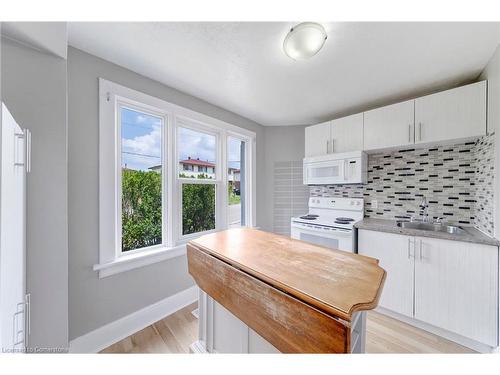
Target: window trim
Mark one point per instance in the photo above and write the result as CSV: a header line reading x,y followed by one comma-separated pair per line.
x,y
174,116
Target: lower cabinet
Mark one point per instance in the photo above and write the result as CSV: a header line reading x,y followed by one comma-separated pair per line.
x,y
395,255
456,287
452,285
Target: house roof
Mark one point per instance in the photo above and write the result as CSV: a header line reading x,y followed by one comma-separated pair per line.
x,y
197,162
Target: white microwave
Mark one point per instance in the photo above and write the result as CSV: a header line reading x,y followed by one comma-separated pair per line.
x,y
336,169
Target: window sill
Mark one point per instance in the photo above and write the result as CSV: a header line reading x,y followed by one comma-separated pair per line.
x,y
140,259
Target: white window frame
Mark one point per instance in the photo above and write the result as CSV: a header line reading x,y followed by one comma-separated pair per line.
x,y
182,122
125,103
111,259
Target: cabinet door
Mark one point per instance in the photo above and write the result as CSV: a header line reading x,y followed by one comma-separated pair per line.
x,y
347,133
395,254
317,139
452,114
389,126
456,287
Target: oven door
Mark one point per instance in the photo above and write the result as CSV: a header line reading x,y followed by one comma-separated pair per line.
x,y
332,238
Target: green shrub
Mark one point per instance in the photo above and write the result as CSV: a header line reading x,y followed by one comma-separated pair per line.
x,y
198,203
141,209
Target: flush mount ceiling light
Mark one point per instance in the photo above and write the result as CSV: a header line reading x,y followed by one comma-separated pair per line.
x,y
304,40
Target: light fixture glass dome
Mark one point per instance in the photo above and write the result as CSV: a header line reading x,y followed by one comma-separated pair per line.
x,y
304,40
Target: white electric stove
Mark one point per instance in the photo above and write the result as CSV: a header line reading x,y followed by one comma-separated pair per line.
x,y
329,222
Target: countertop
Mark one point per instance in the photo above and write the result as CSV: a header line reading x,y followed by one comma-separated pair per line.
x,y
471,234
333,281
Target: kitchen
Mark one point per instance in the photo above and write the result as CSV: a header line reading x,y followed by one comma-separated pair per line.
x,y
428,195
393,184
250,188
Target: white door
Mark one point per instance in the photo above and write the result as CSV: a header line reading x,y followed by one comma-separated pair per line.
x,y
12,236
347,134
451,114
317,139
395,254
456,287
389,126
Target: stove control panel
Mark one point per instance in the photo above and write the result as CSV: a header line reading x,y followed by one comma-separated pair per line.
x,y
353,204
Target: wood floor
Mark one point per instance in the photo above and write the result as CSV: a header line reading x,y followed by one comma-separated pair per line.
x,y
176,332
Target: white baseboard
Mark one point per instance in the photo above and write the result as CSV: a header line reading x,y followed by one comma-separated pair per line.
x,y
101,338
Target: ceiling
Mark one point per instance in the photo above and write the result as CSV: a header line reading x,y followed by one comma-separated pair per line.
x,y
241,67
49,37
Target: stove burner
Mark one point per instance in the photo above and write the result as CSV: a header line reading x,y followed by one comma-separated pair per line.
x,y
309,217
347,219
341,222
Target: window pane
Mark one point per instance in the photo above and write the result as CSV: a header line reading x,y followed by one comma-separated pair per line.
x,y
141,144
236,182
197,152
198,208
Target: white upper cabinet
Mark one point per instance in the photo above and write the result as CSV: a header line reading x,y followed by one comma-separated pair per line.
x,y
347,134
452,114
317,139
389,126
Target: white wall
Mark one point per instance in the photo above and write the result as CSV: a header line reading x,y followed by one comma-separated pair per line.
x,y
283,143
34,89
94,302
492,74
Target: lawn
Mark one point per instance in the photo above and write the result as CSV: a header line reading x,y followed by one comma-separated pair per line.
x,y
234,199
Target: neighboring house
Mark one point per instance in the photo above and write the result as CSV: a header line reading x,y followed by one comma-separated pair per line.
x,y
193,168
155,168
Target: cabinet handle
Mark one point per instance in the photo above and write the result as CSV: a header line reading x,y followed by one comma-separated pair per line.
x,y
408,247
420,251
332,145
419,131
327,146
409,133
28,150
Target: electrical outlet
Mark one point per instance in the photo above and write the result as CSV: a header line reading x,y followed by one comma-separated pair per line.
x,y
374,204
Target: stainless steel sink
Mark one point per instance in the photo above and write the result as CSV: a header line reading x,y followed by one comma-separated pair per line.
x,y
438,227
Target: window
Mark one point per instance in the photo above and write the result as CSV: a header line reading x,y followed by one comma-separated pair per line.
x,y
236,181
199,149
141,179
166,175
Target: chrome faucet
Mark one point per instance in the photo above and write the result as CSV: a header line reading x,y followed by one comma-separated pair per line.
x,y
424,210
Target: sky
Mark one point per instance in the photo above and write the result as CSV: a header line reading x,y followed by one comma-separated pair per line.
x,y
141,139
141,142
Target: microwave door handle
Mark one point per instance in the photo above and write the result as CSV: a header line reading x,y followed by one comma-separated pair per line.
x,y
345,170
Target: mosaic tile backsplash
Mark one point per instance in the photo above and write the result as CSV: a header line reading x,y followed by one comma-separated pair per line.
x,y
457,181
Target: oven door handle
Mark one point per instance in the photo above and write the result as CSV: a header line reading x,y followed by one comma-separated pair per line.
x,y
325,233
